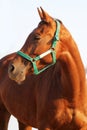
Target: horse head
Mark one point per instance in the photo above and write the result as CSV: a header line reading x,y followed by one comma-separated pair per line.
x,y
43,48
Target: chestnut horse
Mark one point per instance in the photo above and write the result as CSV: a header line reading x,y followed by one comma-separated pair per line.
x,y
4,114
55,92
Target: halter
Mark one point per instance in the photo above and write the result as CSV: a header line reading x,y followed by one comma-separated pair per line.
x,y
51,50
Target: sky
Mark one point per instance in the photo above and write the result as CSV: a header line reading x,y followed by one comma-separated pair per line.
x,y
19,17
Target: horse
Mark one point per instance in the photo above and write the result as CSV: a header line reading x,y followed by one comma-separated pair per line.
x,y
50,66
4,114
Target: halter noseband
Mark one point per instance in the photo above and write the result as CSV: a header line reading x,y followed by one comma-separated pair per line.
x,y
51,50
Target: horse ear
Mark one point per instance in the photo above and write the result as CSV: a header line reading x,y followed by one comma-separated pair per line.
x,y
40,13
43,15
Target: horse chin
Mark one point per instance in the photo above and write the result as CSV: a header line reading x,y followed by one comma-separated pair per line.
x,y
19,82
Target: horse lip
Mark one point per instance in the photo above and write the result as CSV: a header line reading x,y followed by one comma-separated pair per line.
x,y
17,80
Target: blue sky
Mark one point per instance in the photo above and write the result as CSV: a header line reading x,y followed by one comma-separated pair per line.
x,y
19,17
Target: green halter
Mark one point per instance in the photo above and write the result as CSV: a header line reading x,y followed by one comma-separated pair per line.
x,y
51,50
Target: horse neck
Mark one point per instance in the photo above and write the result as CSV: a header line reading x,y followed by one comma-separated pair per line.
x,y
73,73
78,62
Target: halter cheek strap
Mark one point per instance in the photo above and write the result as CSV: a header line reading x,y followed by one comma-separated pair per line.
x,y
50,51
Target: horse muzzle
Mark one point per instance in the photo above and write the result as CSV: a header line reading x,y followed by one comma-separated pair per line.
x,y
16,74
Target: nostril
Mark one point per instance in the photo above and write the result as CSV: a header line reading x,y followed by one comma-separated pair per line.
x,y
11,68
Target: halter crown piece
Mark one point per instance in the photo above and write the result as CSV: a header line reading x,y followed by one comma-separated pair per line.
x,y
51,50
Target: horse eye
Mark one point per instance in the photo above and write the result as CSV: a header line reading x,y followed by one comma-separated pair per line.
x,y
37,37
